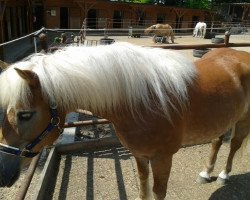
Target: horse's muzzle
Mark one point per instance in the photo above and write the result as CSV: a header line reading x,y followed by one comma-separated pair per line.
x,y
9,169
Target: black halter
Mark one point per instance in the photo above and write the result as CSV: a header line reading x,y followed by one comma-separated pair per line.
x,y
27,150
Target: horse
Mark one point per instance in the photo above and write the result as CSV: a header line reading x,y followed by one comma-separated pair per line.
x,y
161,30
158,101
200,30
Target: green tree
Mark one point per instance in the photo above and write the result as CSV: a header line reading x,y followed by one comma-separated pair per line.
x,y
200,4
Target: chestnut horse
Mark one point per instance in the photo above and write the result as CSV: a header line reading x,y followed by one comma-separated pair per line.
x,y
157,100
162,30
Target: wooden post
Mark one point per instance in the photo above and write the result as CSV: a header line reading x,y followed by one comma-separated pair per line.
x,y
227,36
2,39
44,42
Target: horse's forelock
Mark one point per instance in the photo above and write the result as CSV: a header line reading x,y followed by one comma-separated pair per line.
x,y
13,88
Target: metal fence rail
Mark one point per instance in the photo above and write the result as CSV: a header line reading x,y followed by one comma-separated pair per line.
x,y
17,49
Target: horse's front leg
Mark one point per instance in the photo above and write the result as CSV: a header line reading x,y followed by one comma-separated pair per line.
x,y
143,171
161,166
204,176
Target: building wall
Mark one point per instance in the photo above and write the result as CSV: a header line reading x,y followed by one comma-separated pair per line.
x,y
52,17
105,11
18,18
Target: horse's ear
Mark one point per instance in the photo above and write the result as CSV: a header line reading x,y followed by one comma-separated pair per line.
x,y
28,76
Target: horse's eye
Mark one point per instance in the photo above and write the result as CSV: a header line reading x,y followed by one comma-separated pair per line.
x,y
25,115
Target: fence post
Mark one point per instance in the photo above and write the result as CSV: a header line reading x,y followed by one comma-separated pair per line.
x,y
2,53
35,46
227,36
44,42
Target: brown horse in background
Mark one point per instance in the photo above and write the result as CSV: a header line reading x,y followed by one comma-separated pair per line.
x,y
161,30
157,100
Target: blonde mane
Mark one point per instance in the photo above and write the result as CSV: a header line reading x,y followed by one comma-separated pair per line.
x,y
102,78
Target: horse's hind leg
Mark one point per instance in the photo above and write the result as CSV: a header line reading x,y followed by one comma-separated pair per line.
x,y
242,129
161,167
204,176
143,171
154,39
172,38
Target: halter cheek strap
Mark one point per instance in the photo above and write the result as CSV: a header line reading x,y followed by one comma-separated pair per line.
x,y
27,150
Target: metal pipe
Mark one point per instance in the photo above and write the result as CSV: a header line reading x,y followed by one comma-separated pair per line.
x,y
85,112
34,39
26,183
201,46
85,123
87,145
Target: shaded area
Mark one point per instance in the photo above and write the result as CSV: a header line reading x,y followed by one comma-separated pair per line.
x,y
116,154
237,188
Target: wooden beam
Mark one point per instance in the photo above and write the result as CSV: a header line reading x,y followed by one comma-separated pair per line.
x,y
200,46
87,145
46,174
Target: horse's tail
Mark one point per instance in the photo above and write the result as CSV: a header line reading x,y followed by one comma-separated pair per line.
x,y
205,29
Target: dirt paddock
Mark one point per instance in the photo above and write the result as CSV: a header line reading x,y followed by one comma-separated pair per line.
x,y
111,174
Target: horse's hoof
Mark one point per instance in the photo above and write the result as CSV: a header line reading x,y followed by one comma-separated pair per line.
x,y
202,180
223,178
203,177
222,181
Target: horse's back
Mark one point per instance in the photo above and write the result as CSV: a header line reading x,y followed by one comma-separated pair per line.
x,y
228,53
220,96
163,26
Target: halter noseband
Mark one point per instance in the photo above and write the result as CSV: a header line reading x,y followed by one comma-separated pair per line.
x,y
27,150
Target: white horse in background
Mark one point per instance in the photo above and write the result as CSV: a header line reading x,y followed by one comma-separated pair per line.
x,y
200,29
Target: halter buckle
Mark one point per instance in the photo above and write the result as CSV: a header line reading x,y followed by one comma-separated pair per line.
x,y
55,121
24,152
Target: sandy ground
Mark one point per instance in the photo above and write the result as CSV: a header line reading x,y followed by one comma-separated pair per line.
x,y
111,174
180,40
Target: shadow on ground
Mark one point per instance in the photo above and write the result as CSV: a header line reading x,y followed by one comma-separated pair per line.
x,y
237,188
116,153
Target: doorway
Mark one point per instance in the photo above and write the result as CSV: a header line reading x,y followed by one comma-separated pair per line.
x,y
64,17
117,19
91,22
